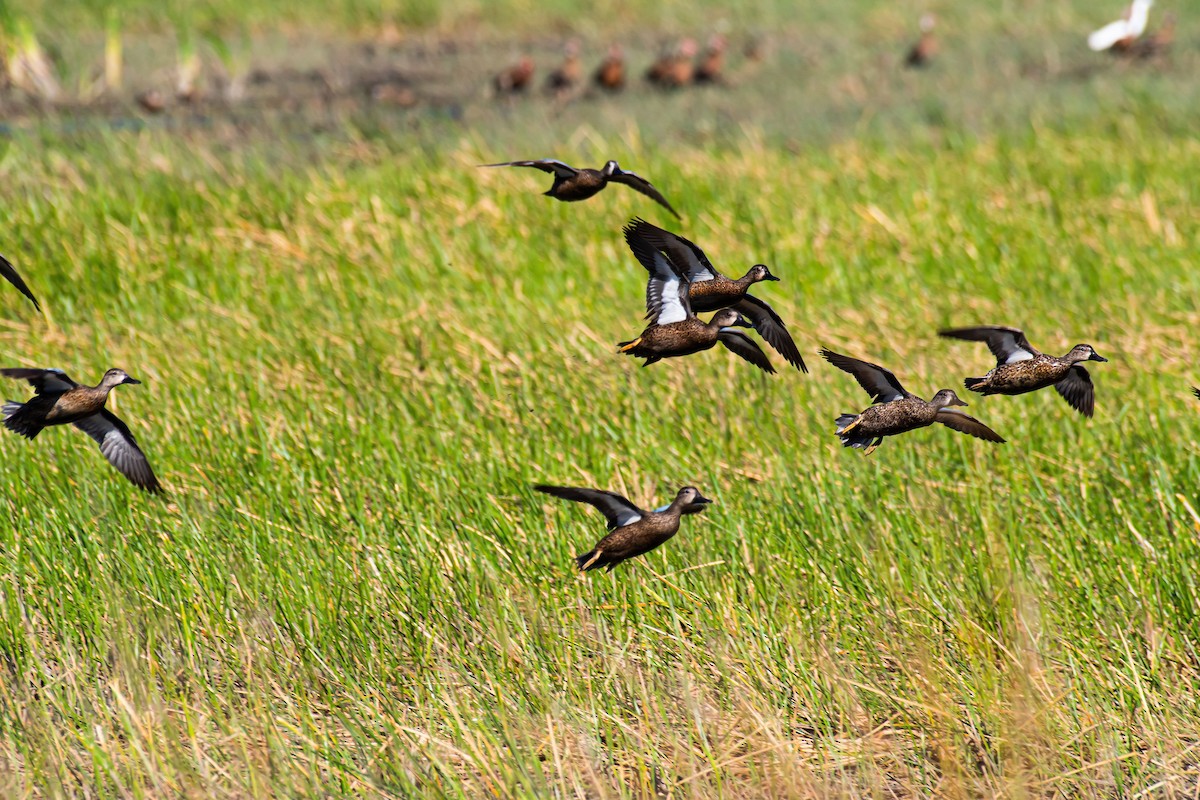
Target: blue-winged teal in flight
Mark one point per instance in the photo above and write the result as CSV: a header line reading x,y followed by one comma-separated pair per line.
x,y
674,329
632,531
897,410
709,290
571,185
1020,368
58,400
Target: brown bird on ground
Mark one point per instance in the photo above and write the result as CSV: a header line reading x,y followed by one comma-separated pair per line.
x,y
9,273
567,75
515,79
58,400
925,48
151,101
610,75
572,184
632,531
896,409
674,70
711,67
1157,43
709,290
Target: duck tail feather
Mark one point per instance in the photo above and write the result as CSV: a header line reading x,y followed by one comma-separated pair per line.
x,y
971,383
588,561
16,422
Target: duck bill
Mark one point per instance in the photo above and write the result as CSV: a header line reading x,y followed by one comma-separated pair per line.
x,y
129,380
701,500
1096,357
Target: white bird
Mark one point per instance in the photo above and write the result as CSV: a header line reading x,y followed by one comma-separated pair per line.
x,y
1121,33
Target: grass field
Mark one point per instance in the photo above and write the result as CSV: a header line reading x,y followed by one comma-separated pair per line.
x,y
359,352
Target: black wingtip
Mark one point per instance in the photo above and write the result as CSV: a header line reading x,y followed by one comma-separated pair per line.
x,y
1196,391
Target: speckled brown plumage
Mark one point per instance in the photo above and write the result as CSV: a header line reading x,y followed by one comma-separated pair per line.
x,y
1021,368
897,410
59,400
689,336
633,531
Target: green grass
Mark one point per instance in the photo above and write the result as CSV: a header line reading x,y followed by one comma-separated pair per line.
x,y
359,351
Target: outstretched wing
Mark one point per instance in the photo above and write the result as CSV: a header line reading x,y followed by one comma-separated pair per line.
x,y
42,380
742,345
686,256
1077,389
771,327
9,272
964,423
559,169
878,382
121,449
640,184
667,290
1008,345
617,510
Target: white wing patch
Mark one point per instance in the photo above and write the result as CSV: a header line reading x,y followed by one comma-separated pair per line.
x,y
628,517
672,305
1113,32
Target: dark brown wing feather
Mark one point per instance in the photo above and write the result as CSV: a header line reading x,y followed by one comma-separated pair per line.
x,y
771,327
967,424
878,382
559,169
742,345
1002,341
121,449
1077,389
615,508
640,184
10,274
42,380
688,259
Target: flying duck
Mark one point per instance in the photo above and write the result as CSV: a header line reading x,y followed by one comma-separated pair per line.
x,y
632,531
897,410
1020,368
709,290
674,329
58,400
572,184
10,274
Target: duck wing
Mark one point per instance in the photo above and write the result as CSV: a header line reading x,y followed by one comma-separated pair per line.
x,y
559,169
667,290
1008,345
1110,34
1196,391
617,510
964,423
9,272
640,184
1077,390
878,382
121,449
687,258
42,380
742,345
771,327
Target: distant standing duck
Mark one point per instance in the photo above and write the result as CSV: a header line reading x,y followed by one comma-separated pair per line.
x,y
572,184
1020,368
675,330
514,79
925,48
897,410
709,290
711,68
10,274
58,400
568,74
632,531
610,75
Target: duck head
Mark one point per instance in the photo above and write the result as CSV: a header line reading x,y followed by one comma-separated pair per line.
x,y
690,495
1083,352
610,169
116,377
945,398
761,272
